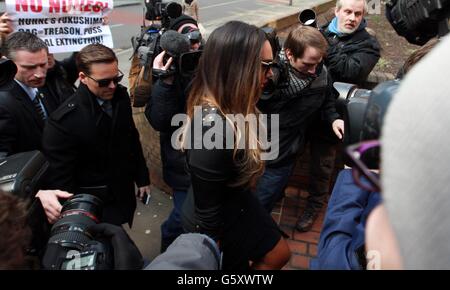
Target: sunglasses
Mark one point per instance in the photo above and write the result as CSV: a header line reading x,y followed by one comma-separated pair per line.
x,y
103,83
362,175
267,65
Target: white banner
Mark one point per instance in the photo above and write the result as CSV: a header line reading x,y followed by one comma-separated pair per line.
x,y
65,25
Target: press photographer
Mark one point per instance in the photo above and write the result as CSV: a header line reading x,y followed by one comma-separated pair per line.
x,y
78,241
355,222
168,98
147,47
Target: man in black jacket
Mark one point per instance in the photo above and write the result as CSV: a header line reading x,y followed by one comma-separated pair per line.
x,y
352,54
23,109
32,96
307,91
91,141
168,98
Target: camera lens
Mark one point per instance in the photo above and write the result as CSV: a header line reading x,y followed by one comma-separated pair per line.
x,y
77,215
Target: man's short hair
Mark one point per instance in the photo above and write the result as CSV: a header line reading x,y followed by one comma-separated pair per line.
x,y
92,54
366,6
23,41
305,36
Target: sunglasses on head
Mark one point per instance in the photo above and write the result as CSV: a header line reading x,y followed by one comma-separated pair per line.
x,y
105,82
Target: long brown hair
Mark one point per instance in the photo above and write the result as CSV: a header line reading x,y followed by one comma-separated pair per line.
x,y
229,78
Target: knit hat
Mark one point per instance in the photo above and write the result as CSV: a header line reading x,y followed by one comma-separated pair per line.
x,y
416,162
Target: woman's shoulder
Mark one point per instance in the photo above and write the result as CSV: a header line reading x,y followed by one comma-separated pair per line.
x,y
212,142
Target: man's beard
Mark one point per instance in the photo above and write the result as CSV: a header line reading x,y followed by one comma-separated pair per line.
x,y
345,30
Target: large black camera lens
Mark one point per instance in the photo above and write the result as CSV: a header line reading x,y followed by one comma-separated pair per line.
x,y
307,18
77,214
71,246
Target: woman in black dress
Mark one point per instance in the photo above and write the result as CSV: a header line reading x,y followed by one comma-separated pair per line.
x,y
232,71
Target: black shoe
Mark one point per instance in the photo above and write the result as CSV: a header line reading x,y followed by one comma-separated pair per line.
x,y
306,221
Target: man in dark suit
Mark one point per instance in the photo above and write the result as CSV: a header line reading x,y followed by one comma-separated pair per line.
x,y
91,141
23,106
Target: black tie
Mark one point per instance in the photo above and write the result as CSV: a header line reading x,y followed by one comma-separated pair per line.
x,y
38,107
107,108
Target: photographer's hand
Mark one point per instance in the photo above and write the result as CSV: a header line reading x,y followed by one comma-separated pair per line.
x,y
50,203
5,24
338,128
126,254
158,63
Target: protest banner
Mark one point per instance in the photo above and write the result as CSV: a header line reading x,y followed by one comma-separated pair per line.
x,y
65,25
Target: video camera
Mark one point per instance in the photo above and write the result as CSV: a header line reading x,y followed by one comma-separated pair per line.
x,y
158,10
147,45
419,20
363,110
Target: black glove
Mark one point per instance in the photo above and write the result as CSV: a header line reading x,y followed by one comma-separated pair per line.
x,y
126,254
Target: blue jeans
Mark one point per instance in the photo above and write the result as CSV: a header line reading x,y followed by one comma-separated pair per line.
x,y
271,184
172,228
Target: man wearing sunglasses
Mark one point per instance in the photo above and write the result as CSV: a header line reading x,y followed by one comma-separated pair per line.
x,y
91,141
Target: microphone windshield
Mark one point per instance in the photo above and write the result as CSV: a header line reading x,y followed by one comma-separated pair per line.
x,y
175,43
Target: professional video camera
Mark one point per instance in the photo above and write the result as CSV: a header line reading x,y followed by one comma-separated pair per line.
x,y
363,114
158,10
146,44
153,40
363,110
71,246
419,20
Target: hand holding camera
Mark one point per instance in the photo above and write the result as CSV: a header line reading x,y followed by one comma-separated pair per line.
x,y
162,68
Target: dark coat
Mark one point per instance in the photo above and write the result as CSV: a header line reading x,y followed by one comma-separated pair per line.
x,y
59,84
89,152
295,115
351,58
165,102
20,125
